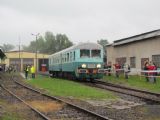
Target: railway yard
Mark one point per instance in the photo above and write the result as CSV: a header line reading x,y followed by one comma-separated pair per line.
x,y
30,99
79,60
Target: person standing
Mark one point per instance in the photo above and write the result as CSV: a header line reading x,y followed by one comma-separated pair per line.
x,y
117,67
155,73
146,68
10,69
33,71
126,68
152,67
26,71
109,67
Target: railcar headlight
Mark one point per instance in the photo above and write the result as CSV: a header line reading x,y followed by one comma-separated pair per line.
x,y
84,65
98,65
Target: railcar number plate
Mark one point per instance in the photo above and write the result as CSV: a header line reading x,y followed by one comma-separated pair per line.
x,y
91,65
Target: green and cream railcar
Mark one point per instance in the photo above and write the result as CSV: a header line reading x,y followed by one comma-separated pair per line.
x,y
82,61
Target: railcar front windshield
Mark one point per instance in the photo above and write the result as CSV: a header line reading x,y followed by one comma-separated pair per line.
x,y
96,53
84,53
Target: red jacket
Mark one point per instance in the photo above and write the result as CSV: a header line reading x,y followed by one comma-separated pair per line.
x,y
151,67
117,66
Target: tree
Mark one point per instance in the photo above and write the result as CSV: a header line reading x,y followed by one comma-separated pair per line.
x,y
50,43
31,47
62,42
7,47
41,44
103,42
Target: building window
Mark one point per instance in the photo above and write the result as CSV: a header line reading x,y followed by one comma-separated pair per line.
x,y
133,62
156,60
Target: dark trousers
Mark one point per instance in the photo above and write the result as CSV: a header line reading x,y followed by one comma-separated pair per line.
x,y
154,74
33,75
126,75
109,72
26,74
147,79
117,74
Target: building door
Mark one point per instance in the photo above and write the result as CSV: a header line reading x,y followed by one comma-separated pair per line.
x,y
15,63
43,63
143,60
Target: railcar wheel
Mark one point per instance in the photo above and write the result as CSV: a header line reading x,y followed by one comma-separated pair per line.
x,y
92,80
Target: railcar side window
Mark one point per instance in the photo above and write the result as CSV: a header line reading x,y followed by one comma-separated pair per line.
x,y
84,53
67,57
74,55
70,56
96,53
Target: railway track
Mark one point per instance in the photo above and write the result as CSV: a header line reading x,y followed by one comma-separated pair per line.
x,y
85,112
146,95
13,99
32,108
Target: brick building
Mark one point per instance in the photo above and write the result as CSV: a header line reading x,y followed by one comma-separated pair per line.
x,y
135,50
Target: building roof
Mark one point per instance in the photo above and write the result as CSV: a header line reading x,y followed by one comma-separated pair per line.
x,y
110,44
18,51
23,51
139,37
2,55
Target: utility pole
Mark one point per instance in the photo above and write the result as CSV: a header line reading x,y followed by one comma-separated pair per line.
x,y
19,46
36,35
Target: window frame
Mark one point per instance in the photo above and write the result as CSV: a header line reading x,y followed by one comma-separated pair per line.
x,y
133,62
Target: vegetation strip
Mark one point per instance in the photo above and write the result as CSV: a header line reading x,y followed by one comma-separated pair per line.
x,y
70,104
129,91
135,81
41,114
73,89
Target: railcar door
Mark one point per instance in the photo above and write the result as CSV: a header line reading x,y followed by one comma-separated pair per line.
x,y
60,65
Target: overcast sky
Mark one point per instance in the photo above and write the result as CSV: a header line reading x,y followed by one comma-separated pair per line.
x,y
80,20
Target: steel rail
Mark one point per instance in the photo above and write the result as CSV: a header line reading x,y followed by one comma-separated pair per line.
x,y
128,88
70,104
116,87
35,110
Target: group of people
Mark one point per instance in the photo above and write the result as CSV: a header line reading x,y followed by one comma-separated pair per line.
x,y
118,68
148,68
28,70
10,69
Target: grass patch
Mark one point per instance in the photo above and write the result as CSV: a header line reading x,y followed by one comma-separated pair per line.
x,y
65,88
8,114
135,82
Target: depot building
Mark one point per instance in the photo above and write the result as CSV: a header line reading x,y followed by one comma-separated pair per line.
x,y
20,59
135,50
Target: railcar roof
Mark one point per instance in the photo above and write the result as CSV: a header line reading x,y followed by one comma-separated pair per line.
x,y
81,46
